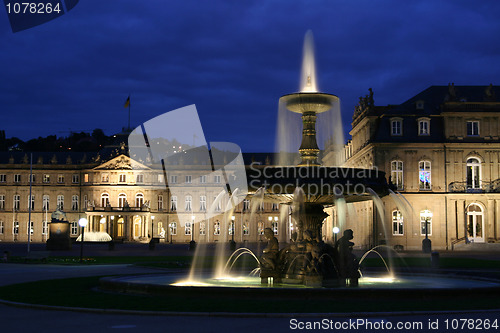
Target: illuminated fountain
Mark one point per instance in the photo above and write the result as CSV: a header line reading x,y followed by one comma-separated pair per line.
x,y
304,190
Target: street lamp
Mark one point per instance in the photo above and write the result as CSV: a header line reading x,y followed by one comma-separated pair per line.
x,y
335,232
152,225
82,223
151,242
232,244
192,244
426,242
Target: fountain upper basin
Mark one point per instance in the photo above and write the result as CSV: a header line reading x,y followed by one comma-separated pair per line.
x,y
306,102
320,184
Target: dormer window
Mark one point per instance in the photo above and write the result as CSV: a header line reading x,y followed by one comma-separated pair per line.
x,y
424,126
473,128
419,105
396,126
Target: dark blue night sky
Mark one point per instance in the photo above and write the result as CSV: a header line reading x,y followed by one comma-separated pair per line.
x,y
233,59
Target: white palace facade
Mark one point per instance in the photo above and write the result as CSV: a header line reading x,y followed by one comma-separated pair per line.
x,y
440,150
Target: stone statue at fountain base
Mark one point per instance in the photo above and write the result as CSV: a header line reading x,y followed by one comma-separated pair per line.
x,y
347,263
269,261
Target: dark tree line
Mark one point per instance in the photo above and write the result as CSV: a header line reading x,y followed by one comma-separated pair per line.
x,y
82,142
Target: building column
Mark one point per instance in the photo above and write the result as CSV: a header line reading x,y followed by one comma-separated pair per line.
x,y
452,220
489,223
461,218
496,222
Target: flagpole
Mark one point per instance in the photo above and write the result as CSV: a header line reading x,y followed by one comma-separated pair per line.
x,y
129,112
30,202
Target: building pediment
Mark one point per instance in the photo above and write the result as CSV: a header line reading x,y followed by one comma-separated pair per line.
x,y
122,162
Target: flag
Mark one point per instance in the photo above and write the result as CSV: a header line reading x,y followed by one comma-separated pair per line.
x,y
127,102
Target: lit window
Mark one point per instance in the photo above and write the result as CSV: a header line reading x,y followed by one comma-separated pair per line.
x,y
260,228
30,228
216,228
203,203
104,200
15,228
217,206
424,126
173,228
17,200
397,174
60,179
424,175
187,228
46,202
86,178
160,202
473,128
396,127
425,216
275,227
188,203
122,200
74,202
74,228
46,179
161,179
139,200
139,179
473,173
173,203
246,231
397,223
31,202
60,202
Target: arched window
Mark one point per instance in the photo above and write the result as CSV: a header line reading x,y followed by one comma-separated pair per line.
x,y
475,223
473,173
424,125
104,200
397,223
139,200
424,175
122,199
425,223
397,174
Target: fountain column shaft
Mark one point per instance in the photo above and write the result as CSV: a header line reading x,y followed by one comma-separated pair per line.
x,y
309,149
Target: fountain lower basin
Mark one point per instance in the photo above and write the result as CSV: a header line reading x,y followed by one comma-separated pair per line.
x,y
164,283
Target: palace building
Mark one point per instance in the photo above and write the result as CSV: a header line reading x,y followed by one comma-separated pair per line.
x,y
440,150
